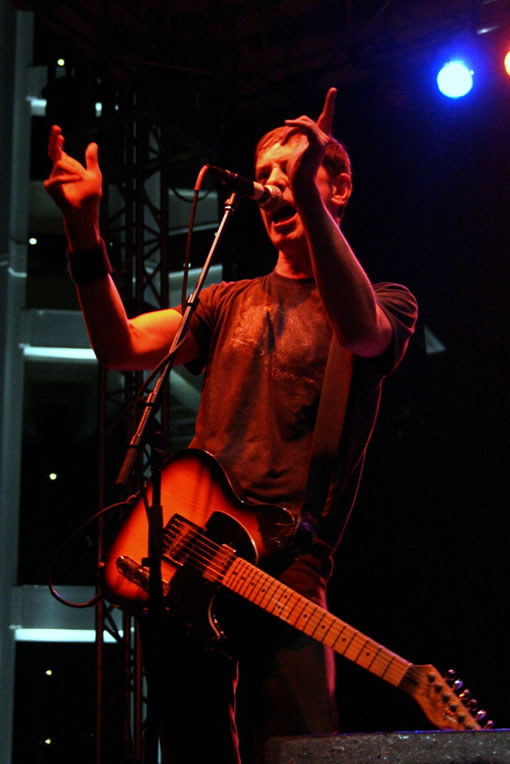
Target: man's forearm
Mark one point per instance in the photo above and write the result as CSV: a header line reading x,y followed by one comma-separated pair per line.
x,y
345,289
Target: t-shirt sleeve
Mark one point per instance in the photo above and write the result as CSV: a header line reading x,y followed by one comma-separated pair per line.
x,y
401,308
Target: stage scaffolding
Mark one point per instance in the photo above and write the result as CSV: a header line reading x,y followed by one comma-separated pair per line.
x,y
135,219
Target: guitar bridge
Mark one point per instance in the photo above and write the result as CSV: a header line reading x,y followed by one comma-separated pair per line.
x,y
136,573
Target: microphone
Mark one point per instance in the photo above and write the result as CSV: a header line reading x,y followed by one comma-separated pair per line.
x,y
267,197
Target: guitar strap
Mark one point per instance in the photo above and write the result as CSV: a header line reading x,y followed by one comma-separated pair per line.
x,y
328,431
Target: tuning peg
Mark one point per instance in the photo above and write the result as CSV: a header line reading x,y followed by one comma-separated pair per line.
x,y
465,695
453,682
472,704
450,676
489,725
480,715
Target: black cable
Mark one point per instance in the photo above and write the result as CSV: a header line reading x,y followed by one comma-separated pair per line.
x,y
191,223
57,553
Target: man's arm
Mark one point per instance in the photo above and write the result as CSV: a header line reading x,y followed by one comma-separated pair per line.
x,y
345,289
118,342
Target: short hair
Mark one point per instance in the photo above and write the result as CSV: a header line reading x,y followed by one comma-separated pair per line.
x,y
336,159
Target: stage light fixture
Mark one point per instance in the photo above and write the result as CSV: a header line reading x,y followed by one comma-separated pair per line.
x,y
455,79
507,63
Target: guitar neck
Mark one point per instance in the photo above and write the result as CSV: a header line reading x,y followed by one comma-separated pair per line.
x,y
284,603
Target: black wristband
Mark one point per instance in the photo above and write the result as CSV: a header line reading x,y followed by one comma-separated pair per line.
x,y
90,265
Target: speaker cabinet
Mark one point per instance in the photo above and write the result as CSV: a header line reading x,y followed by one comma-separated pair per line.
x,y
465,747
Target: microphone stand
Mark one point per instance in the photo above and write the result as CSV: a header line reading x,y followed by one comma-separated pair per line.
x,y
155,510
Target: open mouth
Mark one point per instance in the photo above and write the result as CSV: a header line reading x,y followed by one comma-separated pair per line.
x,y
283,213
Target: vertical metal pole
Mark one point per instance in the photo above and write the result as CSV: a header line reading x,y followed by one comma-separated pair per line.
x,y
140,160
16,36
100,607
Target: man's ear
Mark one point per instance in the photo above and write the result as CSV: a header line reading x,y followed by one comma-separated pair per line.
x,y
342,189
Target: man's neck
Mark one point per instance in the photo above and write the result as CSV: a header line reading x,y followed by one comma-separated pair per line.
x,y
293,267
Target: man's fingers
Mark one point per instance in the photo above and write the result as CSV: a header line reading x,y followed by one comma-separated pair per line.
x,y
62,179
325,120
301,125
91,160
55,144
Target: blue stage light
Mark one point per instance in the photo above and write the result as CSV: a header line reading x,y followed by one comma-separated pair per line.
x,y
455,79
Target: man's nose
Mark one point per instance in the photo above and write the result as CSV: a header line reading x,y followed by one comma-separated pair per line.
x,y
277,178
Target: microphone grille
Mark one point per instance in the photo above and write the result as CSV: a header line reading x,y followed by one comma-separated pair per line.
x,y
273,198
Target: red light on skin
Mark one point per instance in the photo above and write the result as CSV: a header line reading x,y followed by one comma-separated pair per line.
x,y
507,63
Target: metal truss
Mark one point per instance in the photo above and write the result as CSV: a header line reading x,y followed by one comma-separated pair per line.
x,y
135,226
264,46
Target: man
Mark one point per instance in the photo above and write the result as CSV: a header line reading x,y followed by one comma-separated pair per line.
x,y
264,344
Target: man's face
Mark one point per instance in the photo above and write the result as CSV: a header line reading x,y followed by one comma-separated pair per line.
x,y
283,225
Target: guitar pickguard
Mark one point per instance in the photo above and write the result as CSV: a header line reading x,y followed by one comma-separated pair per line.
x,y
195,487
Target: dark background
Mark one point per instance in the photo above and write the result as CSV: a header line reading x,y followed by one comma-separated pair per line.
x,y
423,568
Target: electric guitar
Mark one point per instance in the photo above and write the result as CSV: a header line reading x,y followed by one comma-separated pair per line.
x,y
205,526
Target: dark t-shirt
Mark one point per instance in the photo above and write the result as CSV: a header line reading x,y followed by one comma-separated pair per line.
x,y
264,344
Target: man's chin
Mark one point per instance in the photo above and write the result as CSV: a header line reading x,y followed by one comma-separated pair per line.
x,y
289,231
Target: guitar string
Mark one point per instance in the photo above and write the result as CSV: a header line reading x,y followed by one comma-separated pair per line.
x,y
213,557
205,553
211,552
208,556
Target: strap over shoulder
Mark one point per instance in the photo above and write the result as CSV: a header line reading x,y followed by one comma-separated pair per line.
x,y
328,429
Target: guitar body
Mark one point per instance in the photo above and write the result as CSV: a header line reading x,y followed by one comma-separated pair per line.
x,y
195,487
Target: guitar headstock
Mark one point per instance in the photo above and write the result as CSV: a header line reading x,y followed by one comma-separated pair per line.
x,y
444,700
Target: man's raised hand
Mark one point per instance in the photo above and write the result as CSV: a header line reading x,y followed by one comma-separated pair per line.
x,y
325,119
310,148
75,188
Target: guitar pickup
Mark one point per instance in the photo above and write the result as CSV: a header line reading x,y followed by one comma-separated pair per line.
x,y
186,544
179,540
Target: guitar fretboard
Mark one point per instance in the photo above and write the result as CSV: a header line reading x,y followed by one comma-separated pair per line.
x,y
284,603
